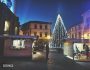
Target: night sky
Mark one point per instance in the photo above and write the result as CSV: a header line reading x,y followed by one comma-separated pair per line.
x,y
47,10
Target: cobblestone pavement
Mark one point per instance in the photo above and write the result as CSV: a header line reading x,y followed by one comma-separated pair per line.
x,y
56,61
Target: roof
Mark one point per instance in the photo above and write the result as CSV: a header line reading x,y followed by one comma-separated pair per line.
x,y
74,25
40,22
77,40
7,10
18,37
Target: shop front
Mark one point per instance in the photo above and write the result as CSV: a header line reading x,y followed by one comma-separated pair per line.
x,y
18,46
77,49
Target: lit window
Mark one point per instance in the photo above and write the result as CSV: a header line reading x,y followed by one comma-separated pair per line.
x,y
85,36
18,44
89,36
40,34
46,34
35,33
7,24
48,37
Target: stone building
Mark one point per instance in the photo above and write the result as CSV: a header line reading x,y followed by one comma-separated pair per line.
x,y
78,35
9,24
11,44
39,29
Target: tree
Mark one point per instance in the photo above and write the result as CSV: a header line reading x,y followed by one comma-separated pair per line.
x,y
59,33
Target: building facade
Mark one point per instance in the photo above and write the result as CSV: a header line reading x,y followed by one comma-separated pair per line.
x,y
75,32
17,46
40,29
11,44
78,36
81,30
9,24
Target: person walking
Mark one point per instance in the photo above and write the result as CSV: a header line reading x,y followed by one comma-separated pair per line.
x,y
78,54
87,51
47,51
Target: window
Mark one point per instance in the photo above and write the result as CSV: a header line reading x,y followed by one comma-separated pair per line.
x,y
40,26
35,26
88,35
79,26
6,27
40,34
79,34
16,30
71,29
45,26
72,36
18,44
35,33
46,34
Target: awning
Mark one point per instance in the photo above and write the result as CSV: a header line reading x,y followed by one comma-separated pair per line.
x,y
18,37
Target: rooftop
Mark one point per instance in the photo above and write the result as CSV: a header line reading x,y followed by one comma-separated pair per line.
x,y
40,22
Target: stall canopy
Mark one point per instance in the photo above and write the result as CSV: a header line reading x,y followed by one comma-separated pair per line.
x,y
18,37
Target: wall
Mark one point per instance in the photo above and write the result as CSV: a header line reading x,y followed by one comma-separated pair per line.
x,y
38,30
68,48
9,51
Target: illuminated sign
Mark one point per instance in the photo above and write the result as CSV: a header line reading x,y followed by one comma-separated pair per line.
x,y
18,44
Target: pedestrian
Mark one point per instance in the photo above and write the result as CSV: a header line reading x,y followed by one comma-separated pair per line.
x,y
78,54
47,51
84,45
87,51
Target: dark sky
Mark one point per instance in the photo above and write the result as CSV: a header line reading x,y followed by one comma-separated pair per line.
x,y
47,10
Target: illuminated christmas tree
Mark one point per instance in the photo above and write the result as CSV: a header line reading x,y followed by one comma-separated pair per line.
x,y
59,33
